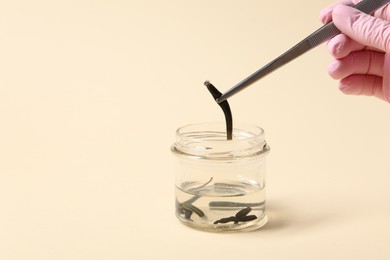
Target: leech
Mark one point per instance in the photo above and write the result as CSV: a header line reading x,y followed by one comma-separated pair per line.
x,y
242,213
192,208
225,108
225,220
187,208
247,218
241,216
228,204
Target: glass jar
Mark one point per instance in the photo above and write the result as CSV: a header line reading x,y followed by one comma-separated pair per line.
x,y
220,183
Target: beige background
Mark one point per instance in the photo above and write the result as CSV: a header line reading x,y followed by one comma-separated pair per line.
x,y
91,93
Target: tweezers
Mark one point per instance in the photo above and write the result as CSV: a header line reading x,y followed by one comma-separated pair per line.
x,y
321,35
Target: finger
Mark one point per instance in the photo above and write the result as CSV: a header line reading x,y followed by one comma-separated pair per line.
x,y
326,13
383,13
363,28
341,45
367,85
386,78
362,62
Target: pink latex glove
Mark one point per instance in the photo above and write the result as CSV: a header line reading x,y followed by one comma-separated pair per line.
x,y
361,51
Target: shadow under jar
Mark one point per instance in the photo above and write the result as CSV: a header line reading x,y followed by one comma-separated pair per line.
x,y
220,183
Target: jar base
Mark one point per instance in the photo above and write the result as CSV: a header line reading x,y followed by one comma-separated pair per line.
x,y
246,227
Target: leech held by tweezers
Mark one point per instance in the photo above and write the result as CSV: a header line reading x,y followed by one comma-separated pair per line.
x,y
225,108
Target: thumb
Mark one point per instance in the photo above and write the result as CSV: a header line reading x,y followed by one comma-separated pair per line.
x,y
363,28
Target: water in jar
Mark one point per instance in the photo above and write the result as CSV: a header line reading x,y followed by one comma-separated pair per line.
x,y
221,206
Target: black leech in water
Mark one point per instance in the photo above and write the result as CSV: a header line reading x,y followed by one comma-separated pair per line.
x,y
186,208
225,107
241,216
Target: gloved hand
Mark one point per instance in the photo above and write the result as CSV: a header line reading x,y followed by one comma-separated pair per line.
x,y
361,51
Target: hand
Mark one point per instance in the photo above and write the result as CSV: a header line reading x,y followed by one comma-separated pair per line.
x,y
361,51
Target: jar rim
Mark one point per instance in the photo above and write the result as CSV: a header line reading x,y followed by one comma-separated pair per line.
x,y
208,140
252,128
